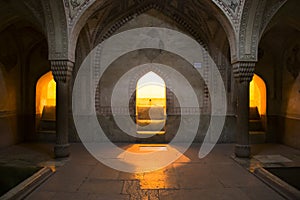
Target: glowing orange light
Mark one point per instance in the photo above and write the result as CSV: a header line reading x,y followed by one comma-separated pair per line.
x,y
45,92
258,94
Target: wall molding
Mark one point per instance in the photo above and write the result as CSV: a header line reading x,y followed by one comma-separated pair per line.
x,y
8,113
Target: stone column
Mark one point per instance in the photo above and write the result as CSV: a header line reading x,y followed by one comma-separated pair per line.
x,y
243,73
62,70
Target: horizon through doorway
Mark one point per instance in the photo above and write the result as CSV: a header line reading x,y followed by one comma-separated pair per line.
x,y
151,104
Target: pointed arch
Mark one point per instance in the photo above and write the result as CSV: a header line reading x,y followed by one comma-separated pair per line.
x,y
151,86
151,104
141,7
45,92
258,94
57,30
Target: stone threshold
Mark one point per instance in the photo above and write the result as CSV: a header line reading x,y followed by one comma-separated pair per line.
x,y
283,188
256,166
28,185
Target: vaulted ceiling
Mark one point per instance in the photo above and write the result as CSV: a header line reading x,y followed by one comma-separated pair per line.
x,y
192,17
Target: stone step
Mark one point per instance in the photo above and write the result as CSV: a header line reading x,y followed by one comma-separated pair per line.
x,y
151,125
46,136
255,125
253,113
46,125
257,137
48,132
49,113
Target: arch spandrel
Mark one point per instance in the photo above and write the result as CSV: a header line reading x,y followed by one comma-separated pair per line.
x,y
57,30
255,17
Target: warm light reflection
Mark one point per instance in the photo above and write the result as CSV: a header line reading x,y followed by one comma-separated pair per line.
x,y
165,178
45,92
258,94
53,168
151,104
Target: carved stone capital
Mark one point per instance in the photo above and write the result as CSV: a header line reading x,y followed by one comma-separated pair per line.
x,y
61,70
243,71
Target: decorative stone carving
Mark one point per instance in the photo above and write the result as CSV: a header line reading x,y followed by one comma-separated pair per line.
x,y
247,42
272,7
191,25
243,71
57,30
233,10
106,17
62,70
75,3
74,8
256,15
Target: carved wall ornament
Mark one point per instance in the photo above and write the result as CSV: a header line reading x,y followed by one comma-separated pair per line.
x,y
75,8
192,27
269,12
233,10
243,71
61,70
256,16
75,3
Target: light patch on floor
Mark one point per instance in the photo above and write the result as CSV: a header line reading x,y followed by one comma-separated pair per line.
x,y
153,148
272,159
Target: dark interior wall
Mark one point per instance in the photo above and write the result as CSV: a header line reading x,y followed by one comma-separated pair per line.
x,y
37,65
10,87
219,51
290,107
283,92
279,66
23,59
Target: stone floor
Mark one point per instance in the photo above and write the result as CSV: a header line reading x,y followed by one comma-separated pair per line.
x,y
217,176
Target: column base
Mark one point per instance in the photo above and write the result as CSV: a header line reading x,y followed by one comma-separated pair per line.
x,y
62,151
242,151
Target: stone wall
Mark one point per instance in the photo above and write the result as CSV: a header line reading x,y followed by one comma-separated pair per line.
x,y
127,62
10,93
279,67
23,59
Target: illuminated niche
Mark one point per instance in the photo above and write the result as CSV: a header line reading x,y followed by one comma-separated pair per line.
x,y
45,93
258,94
151,104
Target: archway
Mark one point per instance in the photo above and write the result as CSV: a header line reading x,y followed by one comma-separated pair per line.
x,y
258,95
46,102
151,104
257,114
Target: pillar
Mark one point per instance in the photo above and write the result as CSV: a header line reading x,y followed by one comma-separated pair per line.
x,y
62,70
243,73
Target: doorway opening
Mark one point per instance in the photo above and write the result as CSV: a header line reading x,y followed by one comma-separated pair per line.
x,y
46,104
151,104
257,112
258,95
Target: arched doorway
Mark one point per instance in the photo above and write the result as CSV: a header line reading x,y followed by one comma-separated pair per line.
x,y
258,107
151,104
258,95
46,104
